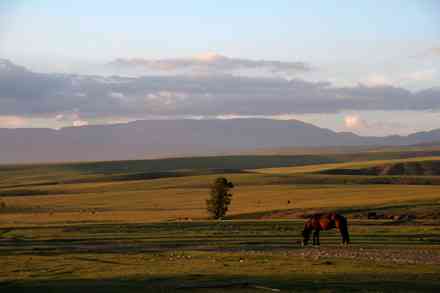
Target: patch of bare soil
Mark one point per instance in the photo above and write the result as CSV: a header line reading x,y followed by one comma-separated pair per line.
x,y
386,255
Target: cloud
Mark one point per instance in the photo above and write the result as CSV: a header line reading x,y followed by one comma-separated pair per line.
x,y
434,51
116,95
59,117
76,119
72,118
78,123
24,93
205,63
376,79
12,121
382,80
431,52
422,75
354,122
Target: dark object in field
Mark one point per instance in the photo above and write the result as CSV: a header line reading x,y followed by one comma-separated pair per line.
x,y
326,221
225,285
406,217
324,263
220,198
372,216
378,216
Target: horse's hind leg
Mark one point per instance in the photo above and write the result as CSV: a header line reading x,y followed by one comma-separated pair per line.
x,y
316,237
345,237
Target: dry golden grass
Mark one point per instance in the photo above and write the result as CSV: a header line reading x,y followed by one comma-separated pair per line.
x,y
184,197
149,203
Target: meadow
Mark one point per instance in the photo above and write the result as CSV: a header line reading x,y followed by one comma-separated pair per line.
x,y
142,225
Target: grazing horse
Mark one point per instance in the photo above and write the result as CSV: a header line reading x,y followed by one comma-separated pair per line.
x,y
327,221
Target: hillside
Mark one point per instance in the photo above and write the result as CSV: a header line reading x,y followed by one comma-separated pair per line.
x,y
57,173
165,138
418,168
152,190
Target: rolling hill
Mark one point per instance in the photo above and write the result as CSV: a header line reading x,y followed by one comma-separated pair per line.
x,y
408,168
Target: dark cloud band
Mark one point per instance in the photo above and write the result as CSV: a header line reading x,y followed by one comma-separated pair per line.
x,y
207,63
23,92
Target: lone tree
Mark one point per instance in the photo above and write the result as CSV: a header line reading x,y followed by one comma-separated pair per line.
x,y
220,198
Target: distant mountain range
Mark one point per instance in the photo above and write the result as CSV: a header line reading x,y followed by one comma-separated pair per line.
x,y
162,138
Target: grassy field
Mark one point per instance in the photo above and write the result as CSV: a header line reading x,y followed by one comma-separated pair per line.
x,y
234,256
141,226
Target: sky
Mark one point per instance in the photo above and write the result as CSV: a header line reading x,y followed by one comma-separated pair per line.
x,y
360,66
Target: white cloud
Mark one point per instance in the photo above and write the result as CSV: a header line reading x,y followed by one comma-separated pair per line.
x,y
284,116
117,95
376,79
70,118
208,57
375,126
354,122
434,51
422,75
81,95
9,121
120,120
206,63
59,117
173,95
165,98
78,123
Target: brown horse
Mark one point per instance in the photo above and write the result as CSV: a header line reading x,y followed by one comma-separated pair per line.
x,y
320,222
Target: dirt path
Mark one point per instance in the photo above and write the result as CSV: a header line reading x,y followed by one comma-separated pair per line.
x,y
386,255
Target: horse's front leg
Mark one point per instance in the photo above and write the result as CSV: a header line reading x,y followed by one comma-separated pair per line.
x,y
317,238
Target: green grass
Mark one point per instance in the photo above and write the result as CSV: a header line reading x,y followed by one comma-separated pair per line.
x,y
170,256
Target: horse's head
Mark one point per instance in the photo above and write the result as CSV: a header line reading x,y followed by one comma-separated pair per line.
x,y
342,226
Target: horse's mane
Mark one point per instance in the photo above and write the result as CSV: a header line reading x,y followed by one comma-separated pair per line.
x,y
331,216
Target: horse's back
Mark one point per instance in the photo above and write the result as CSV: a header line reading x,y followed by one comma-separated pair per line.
x,y
321,221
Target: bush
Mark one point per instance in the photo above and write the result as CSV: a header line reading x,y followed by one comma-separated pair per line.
x,y
220,198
